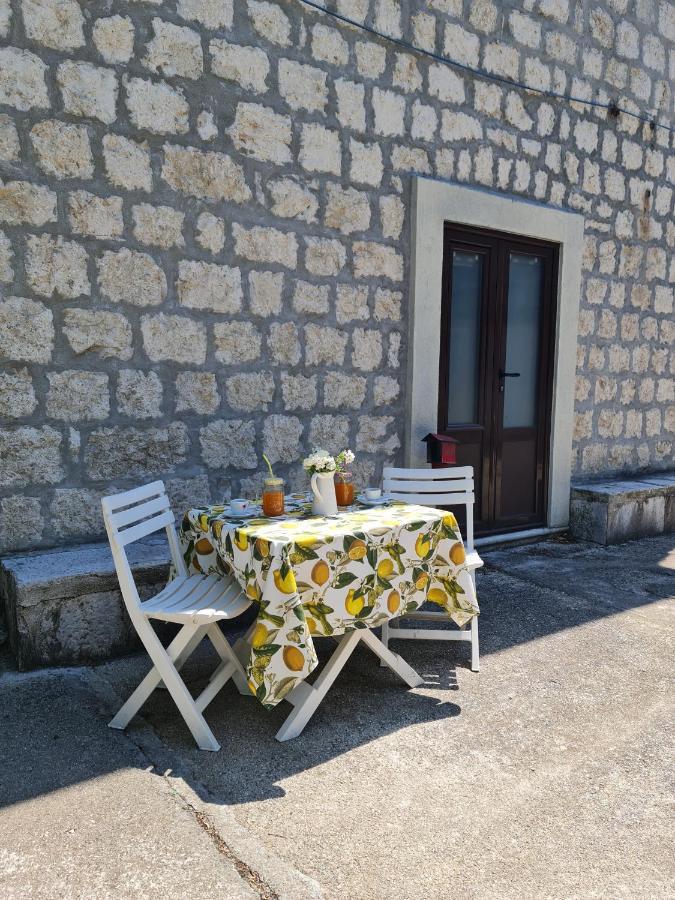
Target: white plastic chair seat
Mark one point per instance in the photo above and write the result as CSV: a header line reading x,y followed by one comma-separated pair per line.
x,y
199,599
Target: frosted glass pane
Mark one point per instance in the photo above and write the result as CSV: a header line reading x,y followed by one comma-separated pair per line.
x,y
467,277
522,340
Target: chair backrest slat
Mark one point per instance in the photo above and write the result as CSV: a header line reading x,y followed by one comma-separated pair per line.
x,y
133,515
451,486
141,511
448,472
143,529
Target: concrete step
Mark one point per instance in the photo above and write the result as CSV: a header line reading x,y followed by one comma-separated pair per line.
x,y
64,606
610,512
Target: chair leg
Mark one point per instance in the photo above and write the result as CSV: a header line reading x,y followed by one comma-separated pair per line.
x,y
475,658
228,657
165,671
307,697
392,660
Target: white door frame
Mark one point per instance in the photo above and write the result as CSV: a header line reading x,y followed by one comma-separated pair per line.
x,y
435,202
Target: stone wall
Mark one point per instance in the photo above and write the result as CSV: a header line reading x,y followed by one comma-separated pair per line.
x,y
204,221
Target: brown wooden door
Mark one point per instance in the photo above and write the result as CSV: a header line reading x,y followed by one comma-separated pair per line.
x,y
498,316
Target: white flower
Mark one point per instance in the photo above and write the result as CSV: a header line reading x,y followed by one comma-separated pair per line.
x,y
319,461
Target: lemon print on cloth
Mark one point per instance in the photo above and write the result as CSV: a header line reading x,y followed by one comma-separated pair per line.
x,y
285,583
320,572
422,545
357,550
457,554
436,595
204,547
260,636
241,540
294,659
393,602
385,568
353,604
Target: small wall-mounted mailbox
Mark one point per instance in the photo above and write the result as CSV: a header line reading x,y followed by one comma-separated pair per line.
x,y
441,450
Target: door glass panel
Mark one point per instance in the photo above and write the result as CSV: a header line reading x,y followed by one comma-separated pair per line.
x,y
463,366
523,324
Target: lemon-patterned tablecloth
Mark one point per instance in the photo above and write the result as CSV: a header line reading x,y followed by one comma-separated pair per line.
x,y
315,576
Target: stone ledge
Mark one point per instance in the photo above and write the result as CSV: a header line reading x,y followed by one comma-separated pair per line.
x,y
64,606
609,512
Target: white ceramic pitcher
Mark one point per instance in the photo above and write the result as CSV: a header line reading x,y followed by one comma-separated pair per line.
x,y
323,489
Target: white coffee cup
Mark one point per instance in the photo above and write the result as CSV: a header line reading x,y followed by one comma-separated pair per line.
x,y
373,493
239,505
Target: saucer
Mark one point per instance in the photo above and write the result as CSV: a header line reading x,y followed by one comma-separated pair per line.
x,y
249,513
378,501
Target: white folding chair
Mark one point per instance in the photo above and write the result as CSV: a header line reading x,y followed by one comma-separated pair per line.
x,y
197,602
451,486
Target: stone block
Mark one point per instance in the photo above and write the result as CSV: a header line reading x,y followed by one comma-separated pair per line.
x,y
62,150
53,23
269,21
377,261
30,456
347,209
324,256
283,343
324,345
22,203
156,107
211,176
197,392
99,217
265,289
281,438
127,276
210,13
127,163
88,90
26,330
17,395
121,452
228,443
64,607
301,86
611,512
74,395
56,266
177,338
160,226
6,258
247,66
22,80
249,391
342,390
298,391
260,132
10,149
21,525
113,37
202,285
174,50
320,149
98,331
259,244
236,342
292,200
210,232
139,394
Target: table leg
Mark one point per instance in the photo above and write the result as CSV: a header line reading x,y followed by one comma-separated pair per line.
x,y
307,697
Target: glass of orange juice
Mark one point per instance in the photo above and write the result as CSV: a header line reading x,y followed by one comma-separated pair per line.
x,y
344,488
273,497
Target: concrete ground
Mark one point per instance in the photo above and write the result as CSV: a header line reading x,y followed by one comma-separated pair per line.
x,y
548,775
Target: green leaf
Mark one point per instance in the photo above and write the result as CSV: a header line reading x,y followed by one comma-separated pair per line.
x,y
415,526
266,649
358,624
372,557
261,691
384,583
365,612
343,579
299,613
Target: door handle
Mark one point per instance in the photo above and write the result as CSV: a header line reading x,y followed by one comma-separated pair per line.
x,y
503,375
